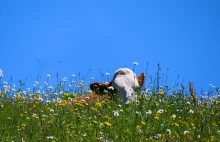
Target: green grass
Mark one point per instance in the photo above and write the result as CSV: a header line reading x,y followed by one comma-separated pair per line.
x,y
167,119
167,115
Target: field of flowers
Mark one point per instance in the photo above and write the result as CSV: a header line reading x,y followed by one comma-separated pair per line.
x,y
160,114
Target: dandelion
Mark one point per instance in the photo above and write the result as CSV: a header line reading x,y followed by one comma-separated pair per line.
x,y
186,132
108,124
98,104
176,124
143,123
135,63
156,117
160,93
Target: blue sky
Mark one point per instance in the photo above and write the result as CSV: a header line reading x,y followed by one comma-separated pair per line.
x,y
50,36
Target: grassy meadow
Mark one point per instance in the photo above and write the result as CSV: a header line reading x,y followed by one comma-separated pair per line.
x,y
161,114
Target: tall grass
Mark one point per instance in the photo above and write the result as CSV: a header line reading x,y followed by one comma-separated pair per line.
x,y
158,115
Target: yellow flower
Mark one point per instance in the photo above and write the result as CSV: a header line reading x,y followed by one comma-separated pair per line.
x,y
161,93
143,123
176,124
19,97
23,125
98,104
108,124
156,118
192,124
65,94
212,138
0,94
138,127
94,121
173,116
213,123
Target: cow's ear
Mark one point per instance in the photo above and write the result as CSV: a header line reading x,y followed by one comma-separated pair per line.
x,y
141,79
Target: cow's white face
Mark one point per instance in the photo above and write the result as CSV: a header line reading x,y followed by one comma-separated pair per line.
x,y
125,81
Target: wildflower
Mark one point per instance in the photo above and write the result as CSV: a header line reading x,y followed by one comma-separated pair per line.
x,y
34,115
36,82
160,93
186,132
64,79
38,92
156,117
192,124
135,63
98,104
173,116
48,76
51,110
143,123
160,111
176,124
50,137
116,113
191,111
1,73
212,138
40,99
108,124
50,87
169,131
19,97
188,102
94,121
157,136
214,124
148,112
107,73
84,134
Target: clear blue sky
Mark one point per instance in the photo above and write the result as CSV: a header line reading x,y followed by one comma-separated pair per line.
x,y
69,36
